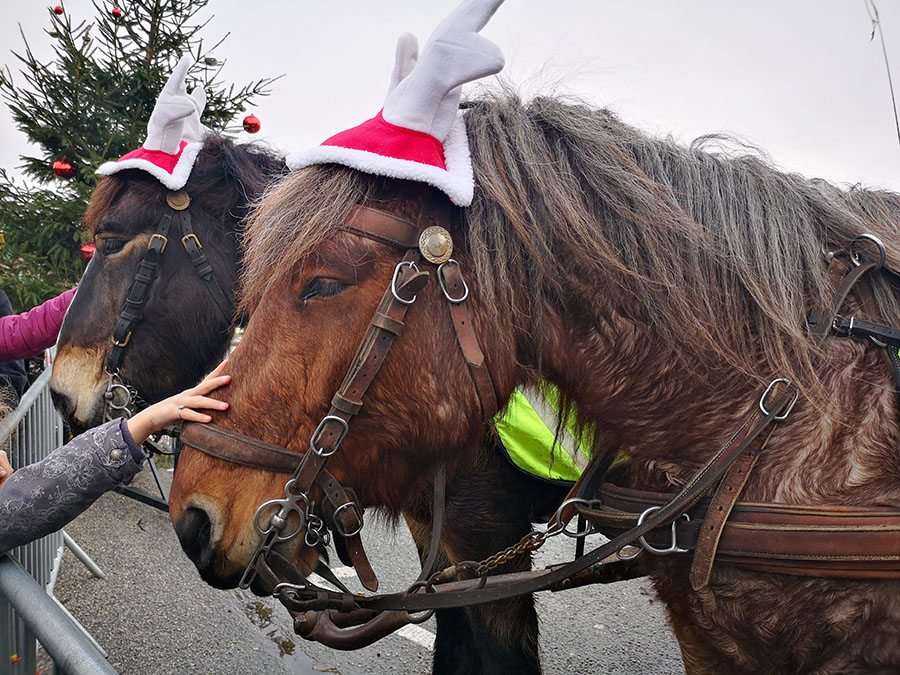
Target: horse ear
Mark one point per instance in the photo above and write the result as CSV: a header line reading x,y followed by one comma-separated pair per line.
x,y
405,57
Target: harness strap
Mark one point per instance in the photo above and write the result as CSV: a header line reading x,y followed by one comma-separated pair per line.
x,y
824,541
456,292
194,249
132,307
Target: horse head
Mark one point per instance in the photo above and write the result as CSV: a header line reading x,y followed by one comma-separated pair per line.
x,y
182,331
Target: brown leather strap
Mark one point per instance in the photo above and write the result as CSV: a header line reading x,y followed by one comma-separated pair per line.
x,y
828,541
218,442
384,227
723,502
456,292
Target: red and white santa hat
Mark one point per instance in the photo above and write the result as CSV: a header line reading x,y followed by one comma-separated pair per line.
x,y
420,133
174,133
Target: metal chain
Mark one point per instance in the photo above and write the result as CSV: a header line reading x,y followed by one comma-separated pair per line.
x,y
530,542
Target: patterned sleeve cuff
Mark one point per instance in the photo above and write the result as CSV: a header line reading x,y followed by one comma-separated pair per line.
x,y
137,451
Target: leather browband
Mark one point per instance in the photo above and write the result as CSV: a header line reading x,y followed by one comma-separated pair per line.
x,y
383,226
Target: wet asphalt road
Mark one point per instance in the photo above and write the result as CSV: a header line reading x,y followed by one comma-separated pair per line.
x,y
154,615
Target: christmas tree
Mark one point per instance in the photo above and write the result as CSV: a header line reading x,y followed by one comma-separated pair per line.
x,y
90,103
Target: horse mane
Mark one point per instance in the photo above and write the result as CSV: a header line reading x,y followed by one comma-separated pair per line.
x,y
717,253
225,179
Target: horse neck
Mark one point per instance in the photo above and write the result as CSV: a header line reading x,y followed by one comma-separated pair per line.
x,y
645,397
670,416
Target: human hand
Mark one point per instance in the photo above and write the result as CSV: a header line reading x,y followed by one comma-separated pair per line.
x,y
5,468
180,407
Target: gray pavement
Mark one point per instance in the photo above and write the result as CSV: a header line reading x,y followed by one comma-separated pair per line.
x,y
155,616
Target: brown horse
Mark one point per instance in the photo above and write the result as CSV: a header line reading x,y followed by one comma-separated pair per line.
x,y
181,336
659,287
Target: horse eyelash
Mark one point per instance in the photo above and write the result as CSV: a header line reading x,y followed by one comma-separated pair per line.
x,y
113,246
321,287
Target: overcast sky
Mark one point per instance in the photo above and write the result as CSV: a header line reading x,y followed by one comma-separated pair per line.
x,y
799,78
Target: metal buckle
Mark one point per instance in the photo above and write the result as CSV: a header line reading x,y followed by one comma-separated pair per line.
x,y
674,548
325,420
157,235
338,527
124,343
396,276
193,236
447,295
762,399
854,255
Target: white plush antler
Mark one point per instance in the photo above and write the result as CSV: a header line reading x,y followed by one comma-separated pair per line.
x,y
427,99
176,116
405,57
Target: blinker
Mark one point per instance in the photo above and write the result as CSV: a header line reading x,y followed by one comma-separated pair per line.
x,y
436,244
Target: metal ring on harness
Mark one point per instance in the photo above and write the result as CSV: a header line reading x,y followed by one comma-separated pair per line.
x,y
882,254
650,548
787,411
575,534
400,266
447,295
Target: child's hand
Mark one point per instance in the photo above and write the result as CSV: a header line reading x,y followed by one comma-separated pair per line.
x,y
5,469
180,407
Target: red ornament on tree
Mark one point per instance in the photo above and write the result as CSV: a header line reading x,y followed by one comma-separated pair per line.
x,y
87,251
251,124
63,168
116,13
58,10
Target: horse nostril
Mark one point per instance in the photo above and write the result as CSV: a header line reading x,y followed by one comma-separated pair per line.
x,y
63,402
193,530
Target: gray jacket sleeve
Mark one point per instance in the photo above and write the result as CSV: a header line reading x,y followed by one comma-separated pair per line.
x,y
43,497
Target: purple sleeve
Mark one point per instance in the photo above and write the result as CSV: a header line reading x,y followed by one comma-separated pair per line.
x,y
43,497
24,335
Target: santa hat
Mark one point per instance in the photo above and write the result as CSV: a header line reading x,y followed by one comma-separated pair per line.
x,y
174,133
420,133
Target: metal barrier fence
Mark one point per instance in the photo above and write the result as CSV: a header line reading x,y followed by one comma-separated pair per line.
x,y
28,609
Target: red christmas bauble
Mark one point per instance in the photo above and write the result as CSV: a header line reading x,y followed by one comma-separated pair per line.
x,y
87,251
63,168
251,124
58,10
116,13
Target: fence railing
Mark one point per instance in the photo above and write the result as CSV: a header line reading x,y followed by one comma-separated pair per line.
x,y
28,611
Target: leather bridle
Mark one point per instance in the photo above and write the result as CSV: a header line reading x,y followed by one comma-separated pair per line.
x,y
289,516
324,615
120,399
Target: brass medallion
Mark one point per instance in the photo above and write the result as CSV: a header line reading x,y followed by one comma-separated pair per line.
x,y
436,244
178,200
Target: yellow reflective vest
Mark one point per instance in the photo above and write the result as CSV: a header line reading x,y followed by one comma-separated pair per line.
x,y
528,429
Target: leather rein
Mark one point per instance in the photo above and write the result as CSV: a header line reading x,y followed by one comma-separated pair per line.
x,y
120,398
328,616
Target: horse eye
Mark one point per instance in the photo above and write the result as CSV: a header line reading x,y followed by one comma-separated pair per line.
x,y
320,287
111,246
